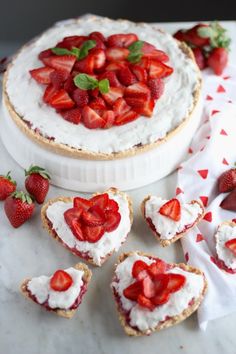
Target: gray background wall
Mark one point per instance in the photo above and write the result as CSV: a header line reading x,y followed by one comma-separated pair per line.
x,y
21,20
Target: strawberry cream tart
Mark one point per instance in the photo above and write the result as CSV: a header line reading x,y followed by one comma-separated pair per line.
x,y
103,94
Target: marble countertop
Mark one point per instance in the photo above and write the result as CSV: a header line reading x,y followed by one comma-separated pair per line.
x,y
30,251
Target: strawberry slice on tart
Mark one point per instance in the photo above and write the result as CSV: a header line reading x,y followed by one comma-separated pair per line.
x,y
62,292
225,238
90,228
81,68
170,219
158,300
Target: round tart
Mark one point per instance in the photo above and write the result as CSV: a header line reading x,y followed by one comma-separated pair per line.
x,y
44,125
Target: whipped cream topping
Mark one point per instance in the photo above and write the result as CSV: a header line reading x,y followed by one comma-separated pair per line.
x,y
109,242
170,110
40,288
166,227
144,319
225,233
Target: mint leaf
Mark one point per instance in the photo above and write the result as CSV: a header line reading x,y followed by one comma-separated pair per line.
x,y
134,57
136,46
85,48
104,86
61,51
205,32
85,82
75,51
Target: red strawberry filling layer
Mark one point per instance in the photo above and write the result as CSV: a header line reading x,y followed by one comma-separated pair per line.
x,y
101,82
89,219
74,306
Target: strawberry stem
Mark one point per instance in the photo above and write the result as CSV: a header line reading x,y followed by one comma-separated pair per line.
x,y
25,197
39,170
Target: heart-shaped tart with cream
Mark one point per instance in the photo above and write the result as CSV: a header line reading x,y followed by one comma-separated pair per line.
x,y
60,293
151,295
226,246
170,219
90,228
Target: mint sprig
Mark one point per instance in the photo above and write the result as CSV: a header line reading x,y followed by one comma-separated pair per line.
x,y
80,53
135,52
216,33
87,82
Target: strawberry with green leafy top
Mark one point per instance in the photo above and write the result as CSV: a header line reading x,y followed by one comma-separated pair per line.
x,y
18,207
37,183
7,186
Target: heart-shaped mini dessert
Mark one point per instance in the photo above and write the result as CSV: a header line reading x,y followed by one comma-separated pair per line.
x,y
90,228
60,293
151,295
226,246
170,219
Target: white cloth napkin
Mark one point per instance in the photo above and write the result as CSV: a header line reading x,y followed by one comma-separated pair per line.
x,y
213,150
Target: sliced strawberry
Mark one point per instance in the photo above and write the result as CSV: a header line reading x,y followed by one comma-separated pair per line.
x,y
138,266
112,205
93,234
161,298
143,301
77,230
143,107
145,63
71,214
112,77
91,119
57,78
49,93
231,245
138,90
116,54
72,41
45,54
42,75
120,107
109,117
151,52
157,267
149,289
100,200
94,216
83,203
61,281
121,40
72,115
140,73
61,100
85,65
112,220
113,94
97,35
114,66
176,282
94,93
159,70
157,88
126,117
161,282
97,104
126,76
69,84
133,291
81,97
99,57
171,209
60,62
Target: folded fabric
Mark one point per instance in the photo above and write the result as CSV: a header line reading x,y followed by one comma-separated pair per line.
x,y
212,151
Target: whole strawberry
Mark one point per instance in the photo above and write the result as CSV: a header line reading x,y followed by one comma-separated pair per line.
x,y
217,60
37,183
7,186
229,203
227,181
18,207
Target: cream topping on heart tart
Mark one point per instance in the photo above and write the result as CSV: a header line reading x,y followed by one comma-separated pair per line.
x,y
171,109
171,217
226,244
151,291
59,291
95,227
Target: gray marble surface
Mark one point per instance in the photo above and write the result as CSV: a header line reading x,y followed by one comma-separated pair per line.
x,y
29,251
